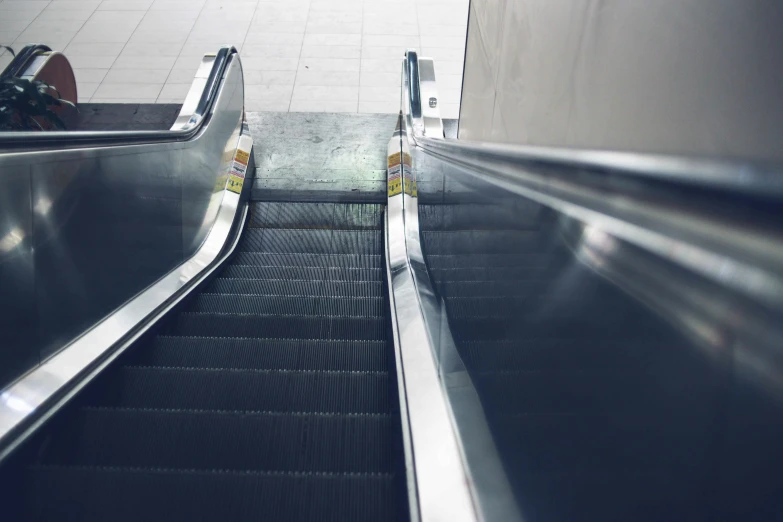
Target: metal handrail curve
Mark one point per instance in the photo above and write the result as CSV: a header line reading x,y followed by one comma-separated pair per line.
x,y
36,140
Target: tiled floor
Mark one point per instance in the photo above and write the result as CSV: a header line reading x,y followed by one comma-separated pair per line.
x,y
298,55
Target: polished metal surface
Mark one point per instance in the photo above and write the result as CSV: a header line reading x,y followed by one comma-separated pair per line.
x,y
99,238
182,132
660,280
489,488
650,77
665,219
441,483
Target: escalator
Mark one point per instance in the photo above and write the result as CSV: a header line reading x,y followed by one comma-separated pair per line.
x,y
268,394
483,332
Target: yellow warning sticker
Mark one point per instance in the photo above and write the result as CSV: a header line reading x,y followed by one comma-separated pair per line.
x,y
236,176
394,183
393,160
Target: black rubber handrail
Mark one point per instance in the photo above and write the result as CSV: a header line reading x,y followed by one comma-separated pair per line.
x,y
64,139
21,58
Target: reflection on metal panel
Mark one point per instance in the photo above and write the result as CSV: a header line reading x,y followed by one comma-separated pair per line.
x,y
630,368
102,224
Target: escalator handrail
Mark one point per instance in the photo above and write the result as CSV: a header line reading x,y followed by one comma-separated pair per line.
x,y
756,179
715,218
21,59
43,140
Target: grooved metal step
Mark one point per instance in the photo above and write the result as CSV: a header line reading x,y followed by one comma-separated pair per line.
x,y
162,495
258,390
301,273
265,305
316,215
280,326
374,261
309,241
238,440
295,288
264,354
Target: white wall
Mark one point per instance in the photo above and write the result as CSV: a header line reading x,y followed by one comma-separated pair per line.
x,y
694,77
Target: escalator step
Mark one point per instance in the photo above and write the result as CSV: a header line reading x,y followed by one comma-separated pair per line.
x,y
133,494
302,273
262,305
276,326
224,440
295,288
263,354
316,215
247,390
312,241
374,261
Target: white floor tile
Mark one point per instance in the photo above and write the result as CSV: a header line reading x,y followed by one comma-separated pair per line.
x,y
309,77
89,75
144,62
271,51
331,51
177,5
125,5
148,76
379,107
375,79
329,64
321,55
85,62
395,52
261,38
173,91
95,49
124,91
255,77
333,39
85,90
325,93
379,93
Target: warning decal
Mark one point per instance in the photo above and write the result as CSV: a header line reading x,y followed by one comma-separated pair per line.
x,y
236,176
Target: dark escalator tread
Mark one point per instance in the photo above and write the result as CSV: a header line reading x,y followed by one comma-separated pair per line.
x,y
290,326
224,440
311,241
278,305
265,354
316,215
126,494
370,261
301,273
250,390
296,288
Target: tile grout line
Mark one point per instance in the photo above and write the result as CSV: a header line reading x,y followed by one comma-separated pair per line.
x,y
179,54
244,84
361,48
296,75
118,54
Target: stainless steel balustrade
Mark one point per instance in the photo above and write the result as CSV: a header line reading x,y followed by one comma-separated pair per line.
x,y
100,232
644,290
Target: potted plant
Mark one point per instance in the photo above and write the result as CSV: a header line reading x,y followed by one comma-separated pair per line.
x,y
27,104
